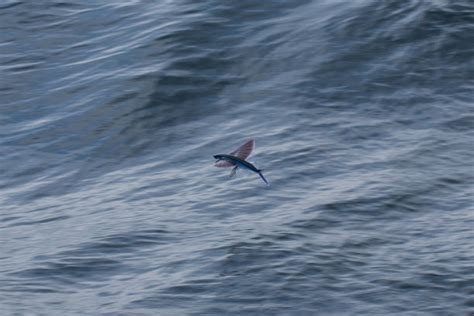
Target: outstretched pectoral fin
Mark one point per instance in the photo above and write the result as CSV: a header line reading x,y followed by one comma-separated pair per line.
x,y
233,172
245,150
223,164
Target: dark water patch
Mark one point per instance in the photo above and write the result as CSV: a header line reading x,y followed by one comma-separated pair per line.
x,y
10,5
462,124
9,218
34,290
123,243
317,223
42,221
32,287
68,5
72,270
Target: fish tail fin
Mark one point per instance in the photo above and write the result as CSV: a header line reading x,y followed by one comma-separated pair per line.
x,y
261,176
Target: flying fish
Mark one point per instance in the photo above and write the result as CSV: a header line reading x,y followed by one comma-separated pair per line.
x,y
237,159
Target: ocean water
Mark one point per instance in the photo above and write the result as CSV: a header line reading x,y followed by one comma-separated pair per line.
x,y
363,116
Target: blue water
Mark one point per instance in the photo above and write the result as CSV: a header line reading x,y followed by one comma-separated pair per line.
x,y
363,116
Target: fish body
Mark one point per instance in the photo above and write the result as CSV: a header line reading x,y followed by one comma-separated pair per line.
x,y
236,159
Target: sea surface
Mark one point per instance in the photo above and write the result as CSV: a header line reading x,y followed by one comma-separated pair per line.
x,y
363,117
